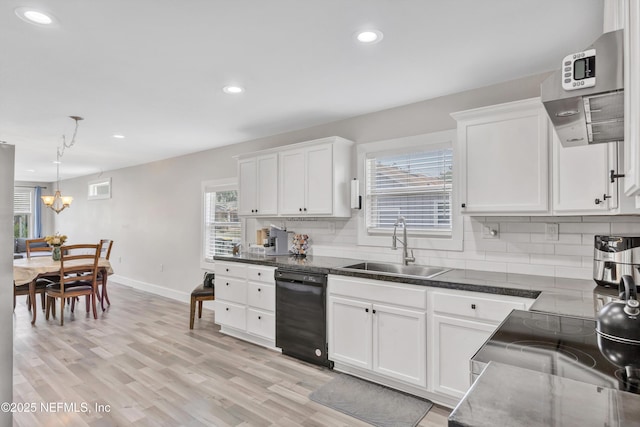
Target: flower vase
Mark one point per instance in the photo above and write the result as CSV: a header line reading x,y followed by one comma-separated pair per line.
x,y
55,253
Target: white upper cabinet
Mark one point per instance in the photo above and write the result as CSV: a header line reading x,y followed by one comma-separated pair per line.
x,y
314,178
582,183
258,183
504,160
307,179
632,99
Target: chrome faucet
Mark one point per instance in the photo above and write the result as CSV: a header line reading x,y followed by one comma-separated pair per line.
x,y
406,259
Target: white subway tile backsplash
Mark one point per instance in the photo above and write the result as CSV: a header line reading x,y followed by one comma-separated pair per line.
x,y
538,270
523,227
579,250
586,227
517,237
499,267
562,260
571,239
531,248
520,248
507,257
625,227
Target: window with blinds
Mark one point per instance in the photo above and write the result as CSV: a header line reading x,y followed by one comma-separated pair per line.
x,y
414,185
22,209
222,225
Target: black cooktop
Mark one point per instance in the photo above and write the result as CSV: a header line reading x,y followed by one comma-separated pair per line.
x,y
556,345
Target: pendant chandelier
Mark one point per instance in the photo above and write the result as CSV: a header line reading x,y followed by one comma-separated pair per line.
x,y
58,202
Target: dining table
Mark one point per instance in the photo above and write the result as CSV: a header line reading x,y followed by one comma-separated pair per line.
x,y
28,270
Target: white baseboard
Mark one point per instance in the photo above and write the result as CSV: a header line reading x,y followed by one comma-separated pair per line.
x,y
151,288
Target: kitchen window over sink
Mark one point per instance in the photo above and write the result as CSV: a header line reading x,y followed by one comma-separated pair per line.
x,y
414,178
222,226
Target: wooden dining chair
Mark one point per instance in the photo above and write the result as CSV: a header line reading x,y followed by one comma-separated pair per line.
x,y
105,252
35,245
78,276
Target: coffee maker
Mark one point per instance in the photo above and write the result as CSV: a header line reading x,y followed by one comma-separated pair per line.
x,y
614,257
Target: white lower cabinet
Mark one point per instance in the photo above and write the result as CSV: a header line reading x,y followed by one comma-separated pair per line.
x,y
350,333
413,338
400,343
389,340
245,302
461,322
455,341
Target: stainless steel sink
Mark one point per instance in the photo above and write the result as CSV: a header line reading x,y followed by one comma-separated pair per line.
x,y
397,269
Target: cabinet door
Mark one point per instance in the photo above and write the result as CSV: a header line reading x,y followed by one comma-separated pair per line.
x,y
291,182
247,175
400,344
581,178
504,157
319,188
261,323
349,330
230,314
267,185
454,342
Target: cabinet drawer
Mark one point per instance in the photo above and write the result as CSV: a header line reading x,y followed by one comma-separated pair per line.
x,y
231,289
261,274
477,307
230,314
262,295
261,323
376,290
233,269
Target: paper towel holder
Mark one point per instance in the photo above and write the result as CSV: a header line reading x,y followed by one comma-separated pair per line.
x,y
356,198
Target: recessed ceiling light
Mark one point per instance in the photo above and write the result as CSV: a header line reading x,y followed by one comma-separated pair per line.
x,y
118,136
233,89
57,162
369,36
30,170
33,16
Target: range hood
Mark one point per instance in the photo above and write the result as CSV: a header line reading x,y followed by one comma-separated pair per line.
x,y
585,102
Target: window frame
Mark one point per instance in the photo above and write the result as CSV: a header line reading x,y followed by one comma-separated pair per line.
x,y
421,239
228,184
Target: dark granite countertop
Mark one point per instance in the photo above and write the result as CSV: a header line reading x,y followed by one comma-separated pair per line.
x,y
572,297
504,395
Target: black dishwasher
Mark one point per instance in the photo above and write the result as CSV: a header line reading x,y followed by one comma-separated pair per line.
x,y
301,330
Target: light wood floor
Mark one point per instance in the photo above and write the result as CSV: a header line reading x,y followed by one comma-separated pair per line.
x,y
141,359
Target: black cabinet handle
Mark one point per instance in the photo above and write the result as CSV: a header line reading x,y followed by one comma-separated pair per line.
x,y
305,209
464,205
259,289
256,210
473,306
259,274
613,175
227,309
300,209
366,309
374,312
226,269
227,283
259,317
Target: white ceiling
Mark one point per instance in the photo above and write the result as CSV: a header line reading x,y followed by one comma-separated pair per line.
x,y
153,70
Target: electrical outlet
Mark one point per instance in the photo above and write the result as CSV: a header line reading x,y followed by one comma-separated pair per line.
x,y
551,231
161,267
331,227
490,230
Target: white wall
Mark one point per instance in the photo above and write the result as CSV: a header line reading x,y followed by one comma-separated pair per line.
x,y
154,215
7,153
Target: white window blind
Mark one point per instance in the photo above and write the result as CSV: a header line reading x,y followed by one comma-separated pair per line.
x,y
22,201
414,185
222,225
